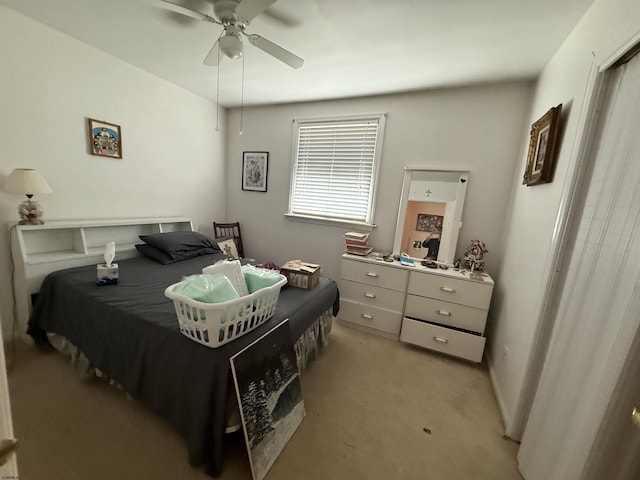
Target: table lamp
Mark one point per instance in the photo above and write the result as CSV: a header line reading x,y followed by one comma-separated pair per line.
x,y
27,181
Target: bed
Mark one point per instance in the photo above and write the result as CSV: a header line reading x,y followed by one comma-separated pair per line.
x,y
130,334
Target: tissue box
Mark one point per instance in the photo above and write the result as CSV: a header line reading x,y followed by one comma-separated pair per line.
x,y
107,275
301,274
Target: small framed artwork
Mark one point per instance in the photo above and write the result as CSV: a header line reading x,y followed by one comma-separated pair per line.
x,y
269,393
254,171
541,154
105,139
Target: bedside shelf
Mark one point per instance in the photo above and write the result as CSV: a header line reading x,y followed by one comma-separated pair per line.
x,y
54,256
120,248
38,250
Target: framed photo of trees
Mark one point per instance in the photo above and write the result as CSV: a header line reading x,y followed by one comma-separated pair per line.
x,y
267,383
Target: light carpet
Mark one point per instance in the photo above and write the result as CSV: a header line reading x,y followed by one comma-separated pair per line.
x,y
375,409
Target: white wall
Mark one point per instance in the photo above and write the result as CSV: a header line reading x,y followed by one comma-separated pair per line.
x,y
49,84
480,128
605,29
9,469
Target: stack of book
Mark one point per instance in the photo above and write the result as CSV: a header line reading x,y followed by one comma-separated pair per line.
x,y
356,243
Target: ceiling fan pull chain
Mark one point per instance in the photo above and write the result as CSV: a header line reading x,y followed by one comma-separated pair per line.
x,y
241,96
218,94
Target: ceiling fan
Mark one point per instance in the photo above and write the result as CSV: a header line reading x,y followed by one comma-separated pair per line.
x,y
234,16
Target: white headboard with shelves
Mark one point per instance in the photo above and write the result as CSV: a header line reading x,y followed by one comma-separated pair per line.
x,y
38,250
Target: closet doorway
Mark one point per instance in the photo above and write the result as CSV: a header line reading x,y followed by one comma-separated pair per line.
x,y
580,424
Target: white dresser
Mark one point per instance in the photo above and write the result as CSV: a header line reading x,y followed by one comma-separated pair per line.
x,y
372,294
443,310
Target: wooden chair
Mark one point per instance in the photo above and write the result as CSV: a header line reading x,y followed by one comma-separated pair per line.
x,y
221,230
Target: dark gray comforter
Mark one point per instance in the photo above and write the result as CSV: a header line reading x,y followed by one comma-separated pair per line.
x,y
130,332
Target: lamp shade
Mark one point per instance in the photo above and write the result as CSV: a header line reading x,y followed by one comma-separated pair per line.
x,y
26,181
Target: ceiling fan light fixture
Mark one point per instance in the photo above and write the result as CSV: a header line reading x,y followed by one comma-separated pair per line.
x,y
230,43
234,16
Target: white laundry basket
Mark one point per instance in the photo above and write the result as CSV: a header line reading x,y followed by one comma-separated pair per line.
x,y
214,324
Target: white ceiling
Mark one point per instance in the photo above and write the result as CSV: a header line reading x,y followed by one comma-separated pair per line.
x,y
350,47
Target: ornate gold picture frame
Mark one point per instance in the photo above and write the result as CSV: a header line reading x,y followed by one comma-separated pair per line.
x,y
541,155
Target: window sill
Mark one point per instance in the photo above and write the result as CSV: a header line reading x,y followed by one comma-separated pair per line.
x,y
328,221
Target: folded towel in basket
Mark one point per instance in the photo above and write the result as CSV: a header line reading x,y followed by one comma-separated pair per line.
x,y
257,278
232,270
207,288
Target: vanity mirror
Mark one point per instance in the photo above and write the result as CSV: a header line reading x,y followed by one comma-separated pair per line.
x,y
430,214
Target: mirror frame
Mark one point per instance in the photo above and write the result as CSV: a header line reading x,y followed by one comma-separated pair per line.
x,y
451,227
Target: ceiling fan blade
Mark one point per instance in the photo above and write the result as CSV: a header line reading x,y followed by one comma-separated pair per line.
x,y
214,56
276,51
173,7
282,17
250,9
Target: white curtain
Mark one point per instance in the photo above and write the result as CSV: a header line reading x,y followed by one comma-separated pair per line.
x,y
598,305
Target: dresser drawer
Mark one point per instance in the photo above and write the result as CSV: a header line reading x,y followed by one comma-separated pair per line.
x,y
441,339
371,295
464,292
372,317
379,275
446,313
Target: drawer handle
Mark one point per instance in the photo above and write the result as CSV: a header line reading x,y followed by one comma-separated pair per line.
x,y
369,295
444,312
441,340
372,274
448,289
367,316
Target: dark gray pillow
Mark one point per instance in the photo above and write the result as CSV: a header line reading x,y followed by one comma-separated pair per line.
x,y
175,244
154,254
165,259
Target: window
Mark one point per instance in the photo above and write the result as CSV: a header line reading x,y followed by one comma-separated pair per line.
x,y
335,167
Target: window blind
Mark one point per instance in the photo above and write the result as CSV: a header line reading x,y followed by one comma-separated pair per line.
x,y
335,168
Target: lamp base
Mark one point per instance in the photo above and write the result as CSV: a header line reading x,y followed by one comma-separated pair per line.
x,y
34,221
30,213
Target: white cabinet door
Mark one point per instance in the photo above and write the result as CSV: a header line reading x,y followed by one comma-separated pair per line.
x,y
9,469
